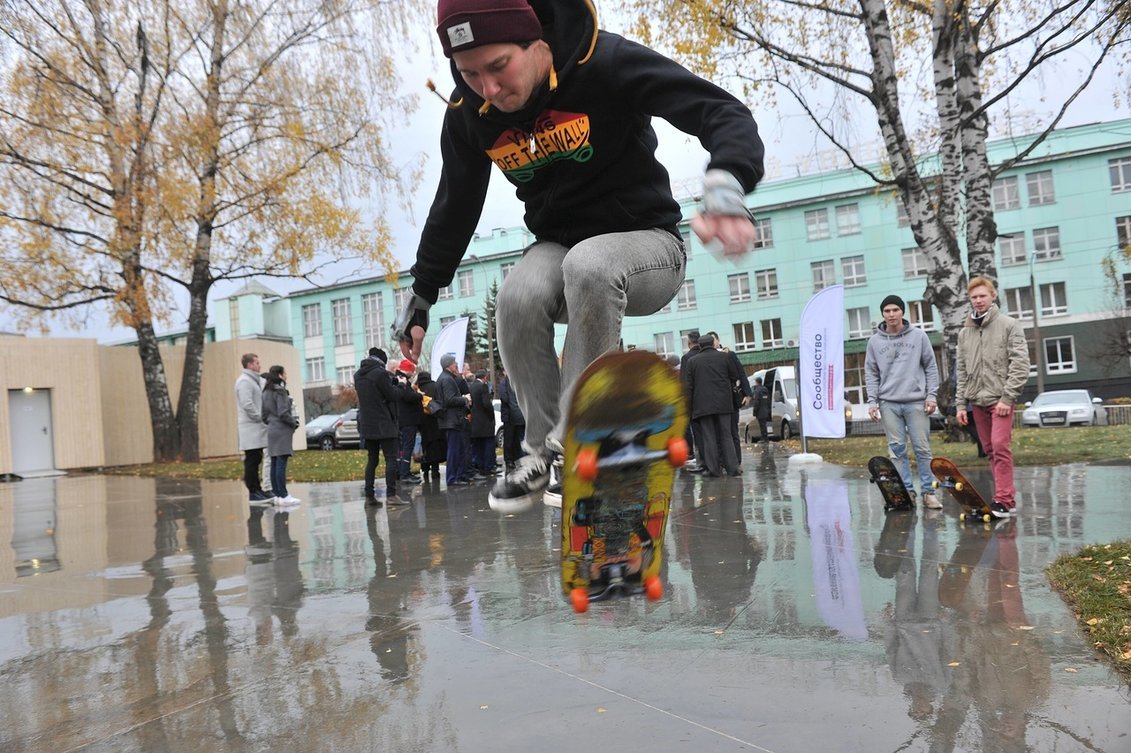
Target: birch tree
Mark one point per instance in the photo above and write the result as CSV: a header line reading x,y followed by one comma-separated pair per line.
x,y
934,72
151,149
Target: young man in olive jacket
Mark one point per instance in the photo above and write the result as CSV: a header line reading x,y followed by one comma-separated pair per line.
x,y
564,111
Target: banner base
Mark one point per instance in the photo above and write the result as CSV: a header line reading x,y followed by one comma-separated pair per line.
x,y
805,458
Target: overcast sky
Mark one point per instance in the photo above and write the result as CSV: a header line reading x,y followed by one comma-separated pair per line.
x,y
792,147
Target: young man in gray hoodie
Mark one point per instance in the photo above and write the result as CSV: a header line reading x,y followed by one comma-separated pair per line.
x,y
902,380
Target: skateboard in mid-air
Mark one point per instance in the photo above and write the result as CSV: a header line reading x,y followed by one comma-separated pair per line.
x,y
887,480
947,476
624,441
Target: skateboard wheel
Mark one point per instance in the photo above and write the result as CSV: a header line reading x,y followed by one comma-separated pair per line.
x,y
986,518
587,466
677,451
959,486
579,597
653,588
935,484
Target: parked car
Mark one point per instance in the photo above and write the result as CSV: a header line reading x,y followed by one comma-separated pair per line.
x,y
345,429
320,432
497,405
1065,408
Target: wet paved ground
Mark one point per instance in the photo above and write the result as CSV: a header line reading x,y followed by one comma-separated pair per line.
x,y
153,615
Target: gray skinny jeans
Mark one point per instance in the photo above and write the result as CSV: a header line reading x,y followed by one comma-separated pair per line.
x,y
591,287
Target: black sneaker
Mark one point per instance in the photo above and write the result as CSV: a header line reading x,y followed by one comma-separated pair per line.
x,y
261,498
372,501
1000,511
516,490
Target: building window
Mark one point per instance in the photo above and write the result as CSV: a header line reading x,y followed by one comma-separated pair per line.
x,y
446,320
343,325
312,320
345,375
921,315
1053,299
859,323
902,218
466,280
1012,247
1019,302
848,219
852,271
771,333
664,343
1040,188
316,369
739,285
767,283
685,298
372,319
1046,243
1123,231
744,336
685,236
817,224
1060,355
445,294
763,233
1120,172
1006,194
505,269
914,263
824,274
1127,292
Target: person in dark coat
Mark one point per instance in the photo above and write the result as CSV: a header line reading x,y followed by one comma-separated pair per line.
x,y
740,394
452,416
482,425
433,449
279,415
760,400
514,423
693,465
410,414
378,397
710,378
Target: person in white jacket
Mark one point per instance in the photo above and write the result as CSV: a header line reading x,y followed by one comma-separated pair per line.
x,y
902,380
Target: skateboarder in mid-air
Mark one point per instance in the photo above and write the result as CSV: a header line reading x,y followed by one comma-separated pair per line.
x,y
564,111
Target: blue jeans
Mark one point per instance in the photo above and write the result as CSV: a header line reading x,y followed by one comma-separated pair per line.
x,y
591,286
457,454
903,420
279,475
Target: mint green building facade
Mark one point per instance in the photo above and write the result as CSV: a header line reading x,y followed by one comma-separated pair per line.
x,y
1060,214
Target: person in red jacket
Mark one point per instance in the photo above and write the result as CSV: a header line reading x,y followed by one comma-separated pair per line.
x,y
564,110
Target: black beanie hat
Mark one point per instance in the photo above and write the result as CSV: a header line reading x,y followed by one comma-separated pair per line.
x,y
890,300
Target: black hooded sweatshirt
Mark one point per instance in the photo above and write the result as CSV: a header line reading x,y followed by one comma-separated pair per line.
x,y
581,156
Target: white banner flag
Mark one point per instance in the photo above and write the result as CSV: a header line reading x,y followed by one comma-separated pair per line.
x,y
821,367
452,339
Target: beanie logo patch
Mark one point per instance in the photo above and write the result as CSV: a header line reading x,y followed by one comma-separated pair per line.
x,y
460,34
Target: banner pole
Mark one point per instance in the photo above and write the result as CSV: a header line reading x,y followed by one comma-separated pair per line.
x,y
800,413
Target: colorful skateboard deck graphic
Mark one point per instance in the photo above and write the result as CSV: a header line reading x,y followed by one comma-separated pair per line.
x,y
887,480
623,444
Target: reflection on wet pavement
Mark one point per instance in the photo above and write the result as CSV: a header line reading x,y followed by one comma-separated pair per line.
x,y
161,615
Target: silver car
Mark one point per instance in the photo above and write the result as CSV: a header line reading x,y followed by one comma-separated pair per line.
x,y
1065,408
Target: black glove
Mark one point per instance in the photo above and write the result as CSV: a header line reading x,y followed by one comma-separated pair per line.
x,y
410,326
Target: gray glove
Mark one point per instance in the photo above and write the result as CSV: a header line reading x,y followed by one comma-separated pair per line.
x,y
723,194
410,326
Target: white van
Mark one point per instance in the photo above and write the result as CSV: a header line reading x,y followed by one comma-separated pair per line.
x,y
781,381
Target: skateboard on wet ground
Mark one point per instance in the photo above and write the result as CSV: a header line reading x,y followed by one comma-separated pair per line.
x,y
887,480
623,444
947,476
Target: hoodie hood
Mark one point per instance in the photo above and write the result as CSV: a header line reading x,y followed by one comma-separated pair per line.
x,y
570,28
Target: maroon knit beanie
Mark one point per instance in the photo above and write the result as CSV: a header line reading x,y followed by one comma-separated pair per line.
x,y
464,24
